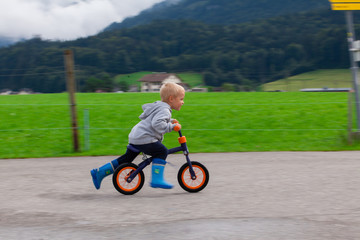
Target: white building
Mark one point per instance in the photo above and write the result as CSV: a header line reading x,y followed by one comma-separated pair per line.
x,y
153,82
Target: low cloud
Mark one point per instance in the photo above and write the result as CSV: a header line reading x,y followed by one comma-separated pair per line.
x,y
64,19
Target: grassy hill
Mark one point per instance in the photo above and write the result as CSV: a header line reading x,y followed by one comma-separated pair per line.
x,y
131,78
39,125
193,79
331,78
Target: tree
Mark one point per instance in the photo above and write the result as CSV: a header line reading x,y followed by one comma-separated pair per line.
x,y
210,79
92,84
228,87
102,83
124,86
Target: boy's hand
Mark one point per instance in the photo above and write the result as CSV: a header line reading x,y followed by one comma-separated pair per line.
x,y
174,121
177,127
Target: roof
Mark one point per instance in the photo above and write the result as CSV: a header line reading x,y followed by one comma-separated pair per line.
x,y
156,77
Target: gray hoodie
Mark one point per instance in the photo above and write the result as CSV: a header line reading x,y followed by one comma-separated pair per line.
x,y
155,122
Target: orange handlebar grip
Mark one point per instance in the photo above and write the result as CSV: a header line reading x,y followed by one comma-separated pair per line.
x,y
182,139
177,128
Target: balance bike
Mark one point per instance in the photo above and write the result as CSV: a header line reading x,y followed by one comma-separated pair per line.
x,y
129,178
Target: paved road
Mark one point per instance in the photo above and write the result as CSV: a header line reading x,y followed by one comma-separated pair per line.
x,y
257,196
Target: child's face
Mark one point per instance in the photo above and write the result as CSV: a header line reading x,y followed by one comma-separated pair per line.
x,y
176,102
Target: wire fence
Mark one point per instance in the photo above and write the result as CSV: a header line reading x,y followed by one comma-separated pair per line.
x,y
45,128
188,105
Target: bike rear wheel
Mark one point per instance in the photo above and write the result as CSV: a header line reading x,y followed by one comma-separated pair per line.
x,y
120,179
193,185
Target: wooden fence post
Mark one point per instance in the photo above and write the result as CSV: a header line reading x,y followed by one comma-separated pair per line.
x,y
70,84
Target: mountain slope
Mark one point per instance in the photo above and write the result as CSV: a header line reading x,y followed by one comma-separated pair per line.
x,y
247,54
220,11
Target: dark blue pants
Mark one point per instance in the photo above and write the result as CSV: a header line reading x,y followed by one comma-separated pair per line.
x,y
155,150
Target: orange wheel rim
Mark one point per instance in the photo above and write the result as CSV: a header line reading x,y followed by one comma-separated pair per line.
x,y
122,176
189,182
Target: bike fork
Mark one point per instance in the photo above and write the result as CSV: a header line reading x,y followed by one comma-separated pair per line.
x,y
182,141
191,170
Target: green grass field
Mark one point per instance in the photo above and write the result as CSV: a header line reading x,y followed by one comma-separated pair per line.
x,y
331,78
38,125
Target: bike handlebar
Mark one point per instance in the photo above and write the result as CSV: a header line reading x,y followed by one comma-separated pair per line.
x,y
177,127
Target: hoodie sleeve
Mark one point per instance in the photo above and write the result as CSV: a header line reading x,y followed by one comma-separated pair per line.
x,y
161,122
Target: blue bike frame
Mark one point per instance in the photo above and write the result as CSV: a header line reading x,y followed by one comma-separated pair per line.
x,y
183,147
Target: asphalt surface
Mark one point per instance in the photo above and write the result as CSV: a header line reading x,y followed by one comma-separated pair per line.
x,y
257,196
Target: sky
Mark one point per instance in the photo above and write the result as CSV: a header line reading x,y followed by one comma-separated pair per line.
x,y
64,19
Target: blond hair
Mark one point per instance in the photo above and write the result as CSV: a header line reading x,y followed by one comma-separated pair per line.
x,y
170,89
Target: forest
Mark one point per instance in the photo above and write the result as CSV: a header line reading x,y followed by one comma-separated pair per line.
x,y
247,54
220,11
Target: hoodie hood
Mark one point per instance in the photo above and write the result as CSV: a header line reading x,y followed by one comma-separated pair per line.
x,y
150,108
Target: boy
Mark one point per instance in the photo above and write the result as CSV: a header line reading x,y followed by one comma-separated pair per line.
x,y
147,136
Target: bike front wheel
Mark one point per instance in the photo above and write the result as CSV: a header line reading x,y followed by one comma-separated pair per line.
x,y
193,185
121,175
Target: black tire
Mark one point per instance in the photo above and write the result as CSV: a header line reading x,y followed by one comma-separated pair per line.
x,y
120,175
190,185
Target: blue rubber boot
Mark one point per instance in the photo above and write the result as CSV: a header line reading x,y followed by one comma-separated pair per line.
x,y
98,174
157,174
